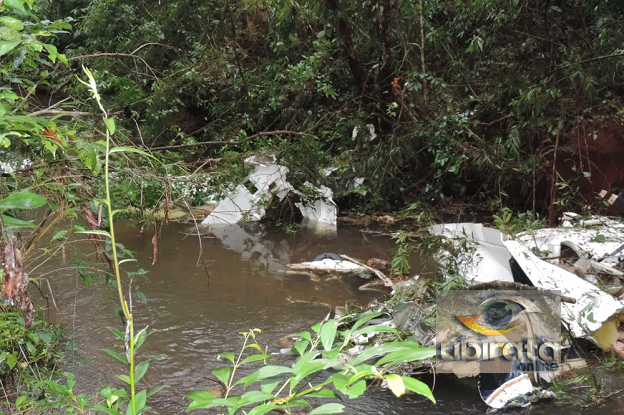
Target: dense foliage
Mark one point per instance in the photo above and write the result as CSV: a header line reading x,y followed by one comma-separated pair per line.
x,y
465,97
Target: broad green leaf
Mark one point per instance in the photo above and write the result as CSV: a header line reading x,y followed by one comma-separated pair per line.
x,y
118,356
156,390
8,34
407,355
254,358
201,396
323,393
229,356
22,200
328,408
340,382
12,22
263,409
140,370
58,235
124,378
11,222
52,51
11,360
15,4
301,346
223,374
363,320
140,400
268,385
7,46
205,405
270,371
395,383
418,387
250,398
328,333
384,349
357,389
110,125
311,368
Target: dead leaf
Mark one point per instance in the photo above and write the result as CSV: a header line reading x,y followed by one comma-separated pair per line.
x,y
16,280
155,248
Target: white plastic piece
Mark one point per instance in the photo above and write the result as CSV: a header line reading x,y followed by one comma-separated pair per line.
x,y
15,166
322,213
510,390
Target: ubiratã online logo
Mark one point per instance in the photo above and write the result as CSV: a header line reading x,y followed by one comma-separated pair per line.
x,y
497,331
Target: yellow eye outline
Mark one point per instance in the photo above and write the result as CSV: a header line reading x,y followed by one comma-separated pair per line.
x,y
470,321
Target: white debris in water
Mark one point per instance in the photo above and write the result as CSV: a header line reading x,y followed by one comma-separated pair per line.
x,y
509,391
320,214
269,180
329,265
242,205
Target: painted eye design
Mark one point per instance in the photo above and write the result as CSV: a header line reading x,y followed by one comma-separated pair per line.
x,y
499,315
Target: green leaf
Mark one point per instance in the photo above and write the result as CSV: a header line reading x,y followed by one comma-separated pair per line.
x,y
328,333
104,409
254,358
407,355
301,346
8,34
110,125
58,235
124,378
263,409
250,398
418,387
268,385
7,46
340,382
52,51
11,360
140,399
395,383
140,370
156,390
384,349
22,200
223,374
12,22
31,348
357,389
328,408
323,393
118,356
11,222
229,356
15,4
269,371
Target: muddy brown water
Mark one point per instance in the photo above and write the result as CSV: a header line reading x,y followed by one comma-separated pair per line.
x,y
195,310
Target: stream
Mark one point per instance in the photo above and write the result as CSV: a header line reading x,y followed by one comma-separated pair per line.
x,y
199,299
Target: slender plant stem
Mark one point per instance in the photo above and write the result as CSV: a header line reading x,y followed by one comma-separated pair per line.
x,y
132,386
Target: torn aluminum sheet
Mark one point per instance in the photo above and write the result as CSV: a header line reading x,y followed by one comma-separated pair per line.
x,y
514,388
490,260
242,205
596,314
600,242
329,266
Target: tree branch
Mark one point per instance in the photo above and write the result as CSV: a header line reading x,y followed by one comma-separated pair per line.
x,y
234,143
